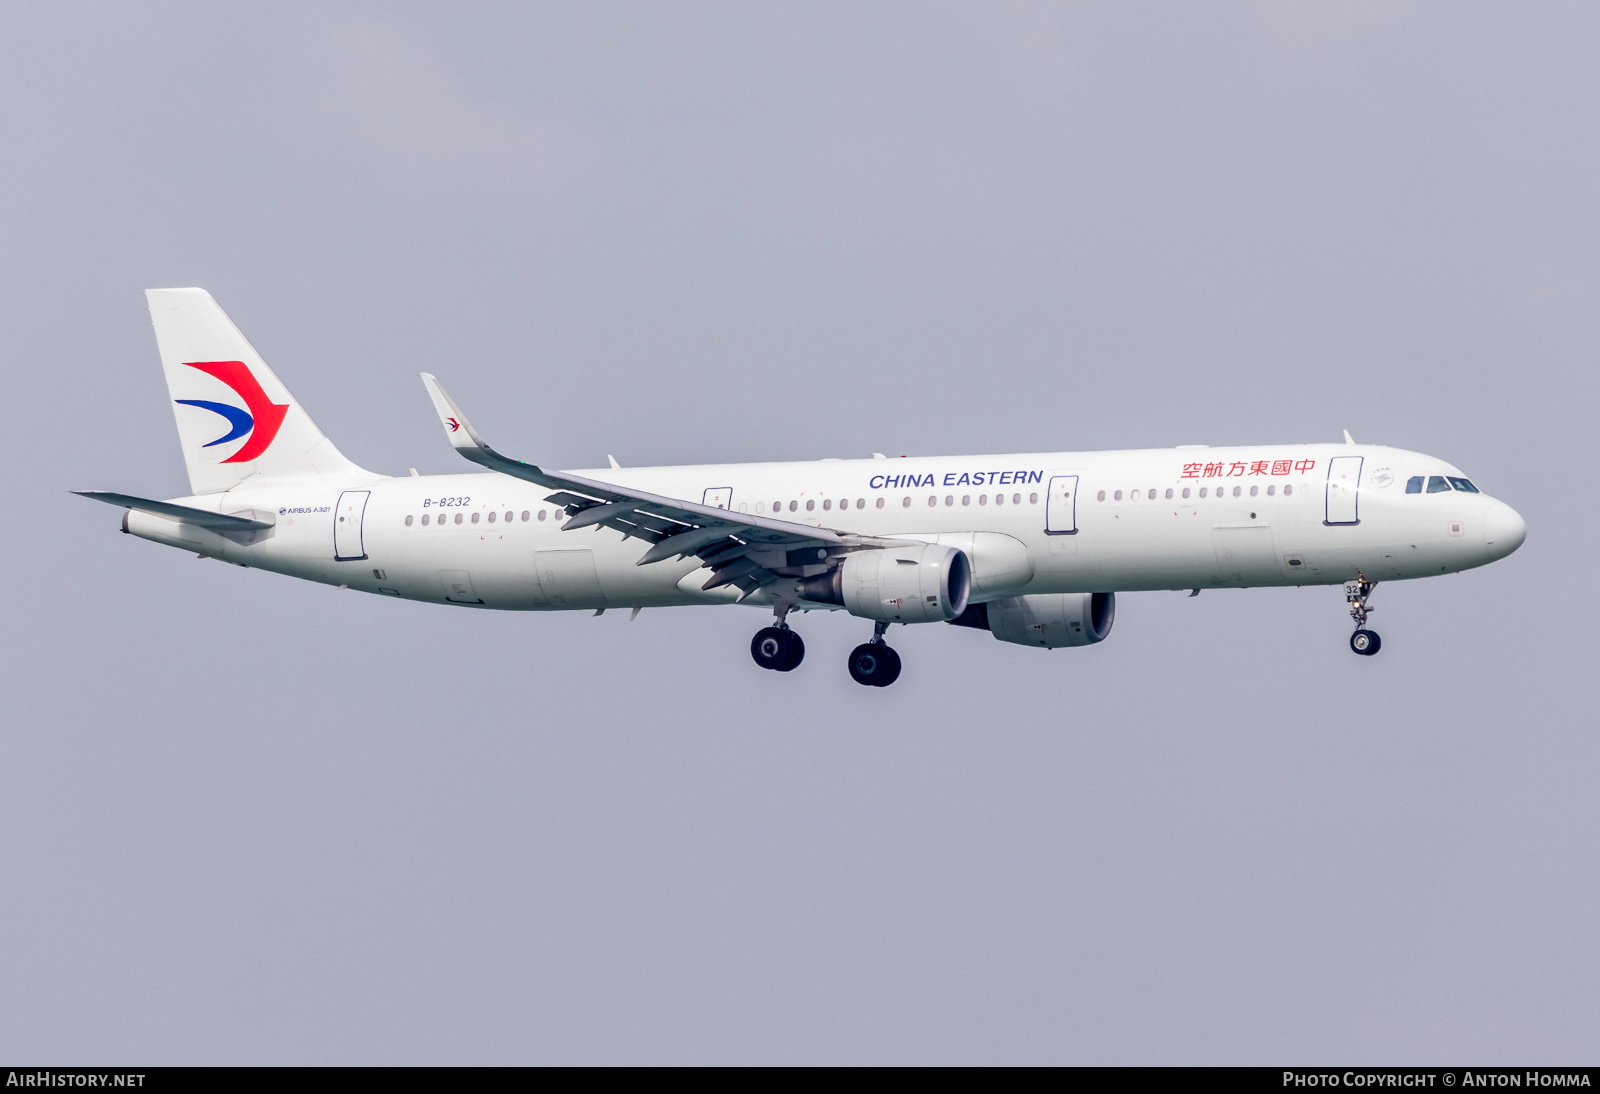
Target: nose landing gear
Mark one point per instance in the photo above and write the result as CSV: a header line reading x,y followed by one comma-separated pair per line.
x,y
1357,593
873,663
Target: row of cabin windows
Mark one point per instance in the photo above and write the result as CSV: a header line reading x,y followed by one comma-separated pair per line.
x,y
1436,484
761,507
1133,495
460,518
1439,484
905,502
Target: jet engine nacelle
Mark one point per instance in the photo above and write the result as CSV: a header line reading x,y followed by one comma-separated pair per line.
x,y
922,584
1048,620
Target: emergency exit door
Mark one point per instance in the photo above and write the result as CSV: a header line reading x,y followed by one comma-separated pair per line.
x,y
347,515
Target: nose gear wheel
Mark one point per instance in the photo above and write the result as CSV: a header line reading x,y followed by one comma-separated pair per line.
x,y
1357,593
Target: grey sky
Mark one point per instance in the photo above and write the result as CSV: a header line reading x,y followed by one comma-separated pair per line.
x,y
248,820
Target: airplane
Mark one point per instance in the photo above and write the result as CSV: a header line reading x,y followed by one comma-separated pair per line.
x,y
1031,547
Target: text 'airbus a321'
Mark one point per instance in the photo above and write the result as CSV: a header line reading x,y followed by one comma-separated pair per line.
x,y
1031,547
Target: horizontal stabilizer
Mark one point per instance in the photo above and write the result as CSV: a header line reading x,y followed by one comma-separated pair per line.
x,y
203,518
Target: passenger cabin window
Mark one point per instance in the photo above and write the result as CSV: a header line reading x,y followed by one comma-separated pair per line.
x,y
1414,484
1437,485
1463,485
408,520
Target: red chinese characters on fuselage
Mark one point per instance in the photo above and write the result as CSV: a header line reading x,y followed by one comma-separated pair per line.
x,y
1242,469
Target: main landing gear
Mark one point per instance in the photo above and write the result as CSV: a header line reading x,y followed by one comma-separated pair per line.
x,y
777,648
1357,593
873,663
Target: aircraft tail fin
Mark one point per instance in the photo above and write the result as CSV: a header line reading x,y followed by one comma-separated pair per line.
x,y
218,382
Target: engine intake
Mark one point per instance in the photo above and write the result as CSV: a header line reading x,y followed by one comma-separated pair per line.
x,y
1048,620
923,584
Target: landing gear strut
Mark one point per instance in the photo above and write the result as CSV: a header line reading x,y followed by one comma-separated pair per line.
x,y
777,647
873,663
1357,593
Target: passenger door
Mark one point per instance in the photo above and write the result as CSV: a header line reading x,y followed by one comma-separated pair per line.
x,y
347,516
1343,496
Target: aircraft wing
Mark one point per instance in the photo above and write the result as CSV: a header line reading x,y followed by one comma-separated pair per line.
x,y
742,549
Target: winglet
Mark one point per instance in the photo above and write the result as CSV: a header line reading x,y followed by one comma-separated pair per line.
x,y
466,441
1347,438
457,429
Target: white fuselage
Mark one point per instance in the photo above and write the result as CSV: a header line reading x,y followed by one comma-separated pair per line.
x,y
492,541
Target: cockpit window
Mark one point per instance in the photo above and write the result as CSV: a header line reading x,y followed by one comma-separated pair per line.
x,y
1437,485
1463,485
1414,484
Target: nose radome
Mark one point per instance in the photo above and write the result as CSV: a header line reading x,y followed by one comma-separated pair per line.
x,y
1503,529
